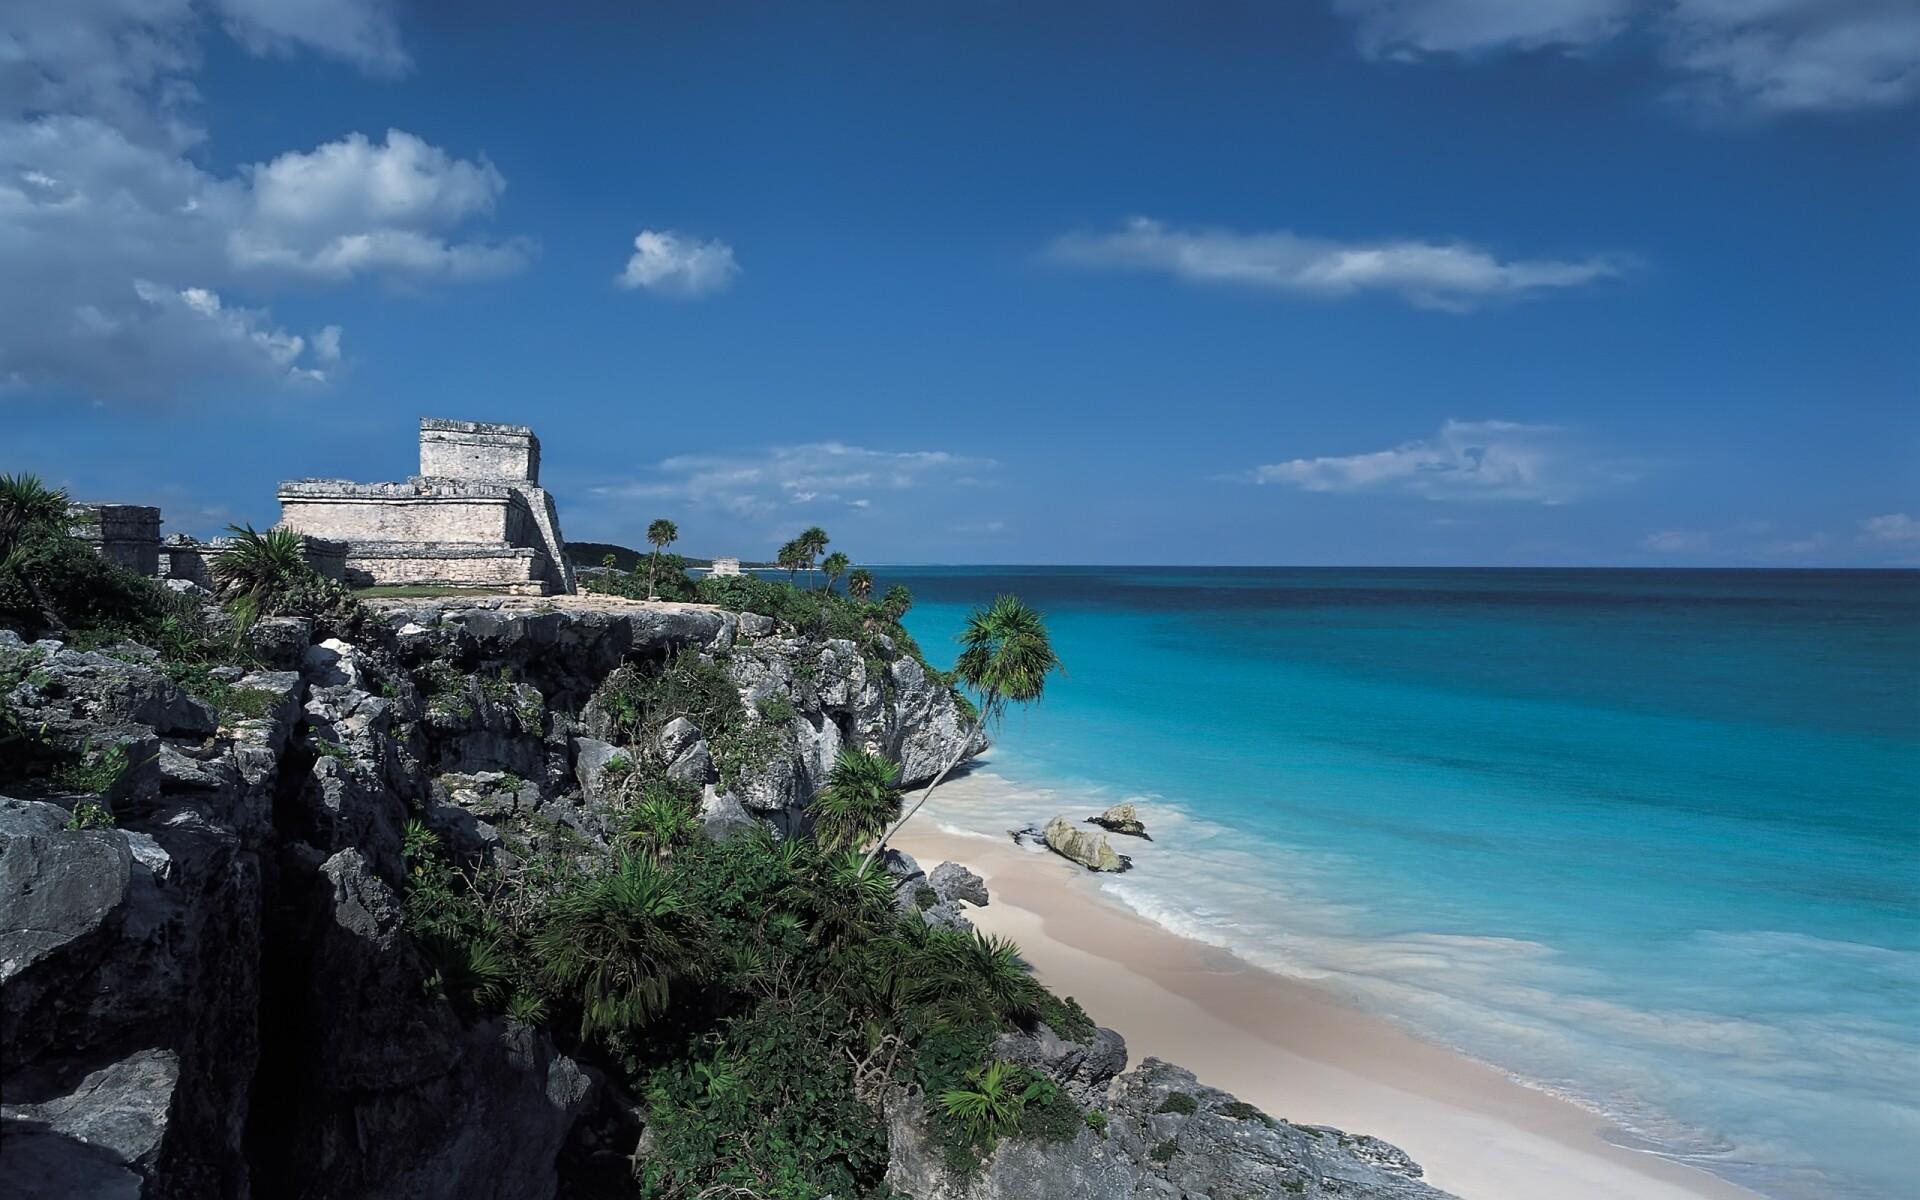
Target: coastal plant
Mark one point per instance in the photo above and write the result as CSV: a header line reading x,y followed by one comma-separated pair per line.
x,y
89,814
990,1106
615,946
860,584
661,534
861,795
833,566
1178,1102
1005,658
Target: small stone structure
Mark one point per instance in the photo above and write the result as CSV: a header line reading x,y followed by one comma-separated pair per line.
x,y
127,534
724,568
475,516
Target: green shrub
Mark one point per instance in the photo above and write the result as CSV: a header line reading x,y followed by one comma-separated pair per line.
x,y
89,815
1240,1110
1178,1102
1165,1151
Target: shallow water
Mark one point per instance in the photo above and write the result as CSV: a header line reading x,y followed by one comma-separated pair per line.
x,y
1646,839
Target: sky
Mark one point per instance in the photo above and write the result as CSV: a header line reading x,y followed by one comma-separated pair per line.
x,y
1343,282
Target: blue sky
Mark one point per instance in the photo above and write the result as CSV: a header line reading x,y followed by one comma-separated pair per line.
x,y
1239,281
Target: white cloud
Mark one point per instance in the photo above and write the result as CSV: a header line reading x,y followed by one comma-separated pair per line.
x,y
1451,276
1468,460
353,207
1678,541
1753,55
1403,28
109,224
1797,55
1897,528
674,264
817,474
361,32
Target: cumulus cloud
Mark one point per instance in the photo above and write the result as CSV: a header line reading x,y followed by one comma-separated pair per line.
x,y
1894,528
1467,460
673,264
1446,275
815,475
1751,55
123,254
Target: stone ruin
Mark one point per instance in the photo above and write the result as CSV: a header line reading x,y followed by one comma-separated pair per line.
x,y
475,516
129,534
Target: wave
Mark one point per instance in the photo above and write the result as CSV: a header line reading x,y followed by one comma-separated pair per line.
x,y
1693,1075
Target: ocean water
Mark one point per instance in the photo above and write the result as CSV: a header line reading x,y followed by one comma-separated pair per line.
x,y
1649,840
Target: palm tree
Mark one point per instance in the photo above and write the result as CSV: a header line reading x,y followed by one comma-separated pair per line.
x,y
661,533
27,504
260,566
860,584
617,944
896,602
813,543
791,559
1005,657
862,794
835,566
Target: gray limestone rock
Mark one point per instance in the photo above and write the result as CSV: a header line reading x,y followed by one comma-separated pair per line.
x,y
954,882
1090,850
722,815
591,758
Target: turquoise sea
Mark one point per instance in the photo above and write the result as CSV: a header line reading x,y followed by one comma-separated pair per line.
x,y
1646,839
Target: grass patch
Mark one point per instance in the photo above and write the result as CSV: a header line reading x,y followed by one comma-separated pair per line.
x,y
1178,1102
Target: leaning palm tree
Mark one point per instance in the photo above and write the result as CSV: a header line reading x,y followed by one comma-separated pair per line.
x,y
661,533
835,565
1005,657
861,795
617,944
860,584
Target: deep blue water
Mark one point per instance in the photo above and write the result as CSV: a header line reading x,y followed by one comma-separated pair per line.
x,y
1649,839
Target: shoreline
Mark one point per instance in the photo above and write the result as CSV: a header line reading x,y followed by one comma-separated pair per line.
x,y
1294,1051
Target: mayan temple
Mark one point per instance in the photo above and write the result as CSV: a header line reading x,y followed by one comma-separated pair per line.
x,y
475,515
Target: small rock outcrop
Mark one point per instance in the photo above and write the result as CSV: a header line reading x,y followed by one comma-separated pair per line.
x,y
1164,1135
1121,818
1090,850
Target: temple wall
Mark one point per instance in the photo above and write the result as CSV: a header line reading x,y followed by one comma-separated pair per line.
x,y
476,450
409,519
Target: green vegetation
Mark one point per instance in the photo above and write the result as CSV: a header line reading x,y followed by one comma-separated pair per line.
x,y
90,815
1178,1102
862,794
660,535
1240,1110
743,985
1165,1151
596,554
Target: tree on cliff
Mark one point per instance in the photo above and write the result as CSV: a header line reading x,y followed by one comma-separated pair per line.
x,y
860,584
862,794
1005,657
812,543
835,566
896,602
661,534
791,559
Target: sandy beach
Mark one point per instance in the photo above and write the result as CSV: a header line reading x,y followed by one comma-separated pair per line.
x,y
1282,1045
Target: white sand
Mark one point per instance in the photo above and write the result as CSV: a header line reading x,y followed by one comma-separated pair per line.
x,y
1280,1044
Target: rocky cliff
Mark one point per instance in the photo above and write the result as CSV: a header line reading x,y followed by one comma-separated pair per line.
x,y
215,995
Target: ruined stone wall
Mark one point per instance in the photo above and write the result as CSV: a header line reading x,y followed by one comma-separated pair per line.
x,y
478,450
517,570
402,512
127,534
